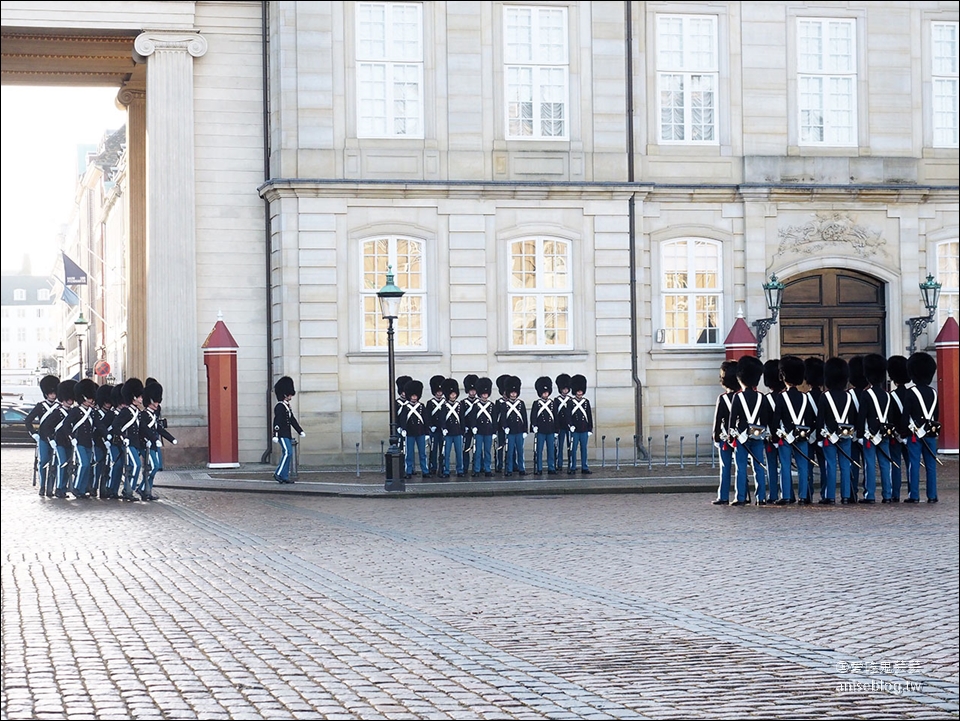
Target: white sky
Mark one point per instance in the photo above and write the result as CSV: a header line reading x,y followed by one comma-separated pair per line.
x,y
41,129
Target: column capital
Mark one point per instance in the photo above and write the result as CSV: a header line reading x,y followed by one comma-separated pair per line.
x,y
128,95
152,41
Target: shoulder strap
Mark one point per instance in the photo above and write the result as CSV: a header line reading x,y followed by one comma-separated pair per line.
x,y
927,412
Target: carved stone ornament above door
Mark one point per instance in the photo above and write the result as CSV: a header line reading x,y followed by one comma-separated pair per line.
x,y
831,234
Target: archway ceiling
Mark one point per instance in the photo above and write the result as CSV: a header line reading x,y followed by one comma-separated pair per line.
x,y
60,57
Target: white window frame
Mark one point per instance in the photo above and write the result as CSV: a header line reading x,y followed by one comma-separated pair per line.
x,y
19,294
395,62
410,328
43,295
827,82
948,275
670,296
542,70
698,72
529,304
945,84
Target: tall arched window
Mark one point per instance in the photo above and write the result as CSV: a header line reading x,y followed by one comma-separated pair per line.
x,y
691,285
948,274
405,256
540,293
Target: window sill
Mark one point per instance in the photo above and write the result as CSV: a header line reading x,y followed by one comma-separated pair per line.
x,y
673,351
541,354
380,356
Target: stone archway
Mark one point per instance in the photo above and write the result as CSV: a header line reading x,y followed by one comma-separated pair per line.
x,y
833,312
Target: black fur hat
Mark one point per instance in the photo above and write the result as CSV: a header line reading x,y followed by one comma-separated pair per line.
x,y
105,395
836,374
284,387
450,386
66,390
813,371
728,375
875,369
413,388
132,388
749,371
156,391
484,386
514,385
563,382
470,382
502,382
858,378
149,381
116,395
578,383
922,368
543,385
771,375
85,389
148,397
402,384
897,370
791,369
48,385
436,384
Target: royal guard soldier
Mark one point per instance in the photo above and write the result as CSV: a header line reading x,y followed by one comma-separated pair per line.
x,y
837,422
900,459
721,438
775,386
500,442
580,422
434,406
794,424
102,421
858,384
482,422
543,425
399,404
875,429
33,422
560,410
750,426
412,424
513,423
154,434
466,405
80,430
452,425
53,428
117,450
923,421
284,422
813,377
126,428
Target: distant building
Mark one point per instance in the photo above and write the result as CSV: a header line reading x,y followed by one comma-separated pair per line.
x,y
30,333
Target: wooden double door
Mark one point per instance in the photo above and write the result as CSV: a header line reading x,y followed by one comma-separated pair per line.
x,y
833,312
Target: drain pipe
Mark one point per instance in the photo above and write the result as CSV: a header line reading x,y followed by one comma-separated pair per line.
x,y
265,65
632,219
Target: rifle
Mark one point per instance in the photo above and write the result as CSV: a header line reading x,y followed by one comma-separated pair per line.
x,y
926,445
36,463
809,460
846,455
756,460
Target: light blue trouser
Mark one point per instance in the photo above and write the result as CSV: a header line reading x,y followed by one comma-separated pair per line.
x,y
545,440
150,472
579,442
482,455
116,468
455,442
131,479
84,473
834,460
418,443
286,459
773,471
786,452
725,451
514,460
872,456
751,451
44,457
64,456
925,448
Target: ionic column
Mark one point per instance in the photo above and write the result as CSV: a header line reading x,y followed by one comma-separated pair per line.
x,y
172,347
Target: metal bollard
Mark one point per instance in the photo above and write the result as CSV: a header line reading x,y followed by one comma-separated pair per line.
x,y
358,459
634,451
681,452
665,449
603,451
294,464
618,453
649,453
696,449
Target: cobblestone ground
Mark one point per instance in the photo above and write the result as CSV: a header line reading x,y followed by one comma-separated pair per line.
x,y
218,605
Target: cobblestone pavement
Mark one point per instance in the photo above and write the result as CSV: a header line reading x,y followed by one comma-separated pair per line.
x,y
237,605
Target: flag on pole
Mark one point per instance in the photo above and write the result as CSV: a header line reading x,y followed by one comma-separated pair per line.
x,y
69,297
73,273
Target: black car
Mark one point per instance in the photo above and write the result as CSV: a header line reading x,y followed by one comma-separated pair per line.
x,y
13,432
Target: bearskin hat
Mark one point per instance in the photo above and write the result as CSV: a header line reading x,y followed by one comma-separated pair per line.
x,y
66,390
771,375
578,383
85,389
836,374
502,382
484,386
156,391
875,369
149,381
728,375
284,387
148,397
470,382
857,377
402,384
563,382
436,384
813,371
105,395
897,369
132,388
543,385
921,367
116,395
514,385
791,370
48,385
749,371
413,388
450,386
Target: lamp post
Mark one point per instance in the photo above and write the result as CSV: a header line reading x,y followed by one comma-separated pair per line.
x,y
81,328
390,296
773,290
59,351
930,292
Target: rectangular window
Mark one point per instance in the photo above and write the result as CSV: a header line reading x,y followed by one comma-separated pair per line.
x,y
948,275
43,295
540,294
19,294
389,70
944,82
404,256
691,286
827,81
536,72
687,78
21,360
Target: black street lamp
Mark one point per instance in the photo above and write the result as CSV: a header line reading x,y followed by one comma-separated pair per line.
x,y
390,296
59,352
81,328
773,290
930,292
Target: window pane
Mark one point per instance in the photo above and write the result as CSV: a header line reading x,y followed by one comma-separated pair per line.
x,y
707,317
524,320
519,35
372,32
552,46
670,43
810,40
944,48
840,59
540,309
523,262
405,32
555,319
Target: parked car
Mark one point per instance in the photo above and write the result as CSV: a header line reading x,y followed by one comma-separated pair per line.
x,y
12,430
